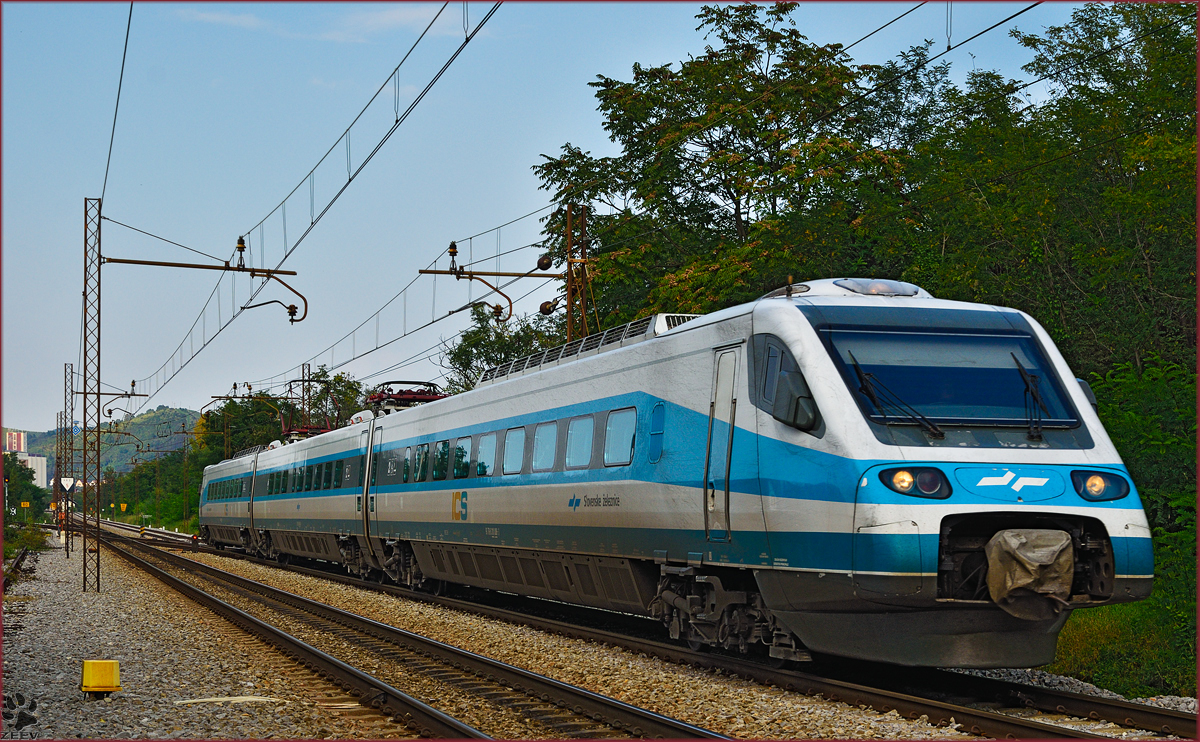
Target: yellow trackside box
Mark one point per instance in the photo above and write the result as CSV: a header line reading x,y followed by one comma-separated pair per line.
x,y
101,676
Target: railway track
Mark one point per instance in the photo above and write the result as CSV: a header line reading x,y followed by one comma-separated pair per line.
x,y
980,705
550,708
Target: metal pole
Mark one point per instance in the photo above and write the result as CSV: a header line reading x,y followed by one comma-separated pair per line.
x,y
570,281
91,394
69,446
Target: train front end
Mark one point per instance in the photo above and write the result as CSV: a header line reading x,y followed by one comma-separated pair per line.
x,y
987,504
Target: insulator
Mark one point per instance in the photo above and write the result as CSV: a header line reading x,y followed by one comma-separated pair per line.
x,y
453,249
544,263
497,310
547,308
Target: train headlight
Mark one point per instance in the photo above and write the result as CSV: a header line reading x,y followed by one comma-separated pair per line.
x,y
918,481
1099,486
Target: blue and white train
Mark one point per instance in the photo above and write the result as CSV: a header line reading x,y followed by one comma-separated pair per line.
x,y
849,467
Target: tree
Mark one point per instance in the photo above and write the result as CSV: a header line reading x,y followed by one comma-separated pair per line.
x,y
488,343
19,486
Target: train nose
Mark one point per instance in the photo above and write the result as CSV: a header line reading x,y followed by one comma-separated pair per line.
x,y
1030,571
1017,484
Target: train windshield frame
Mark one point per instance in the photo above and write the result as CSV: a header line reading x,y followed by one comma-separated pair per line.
x,y
953,377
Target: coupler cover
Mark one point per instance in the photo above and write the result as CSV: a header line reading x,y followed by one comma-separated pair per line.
x,y
1030,571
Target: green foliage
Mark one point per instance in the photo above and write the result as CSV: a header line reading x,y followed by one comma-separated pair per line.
x,y
1151,416
488,343
17,537
19,487
762,159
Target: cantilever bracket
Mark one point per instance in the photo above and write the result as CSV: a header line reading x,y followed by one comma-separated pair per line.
x,y
291,308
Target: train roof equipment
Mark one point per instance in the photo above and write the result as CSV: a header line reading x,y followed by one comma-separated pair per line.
x,y
615,337
387,399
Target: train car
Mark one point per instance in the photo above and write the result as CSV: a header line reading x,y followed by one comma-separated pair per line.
x,y
848,467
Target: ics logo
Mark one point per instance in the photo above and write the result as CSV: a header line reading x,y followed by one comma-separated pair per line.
x,y
574,502
458,505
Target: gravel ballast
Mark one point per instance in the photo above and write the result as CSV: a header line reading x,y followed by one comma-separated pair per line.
x,y
731,706
170,651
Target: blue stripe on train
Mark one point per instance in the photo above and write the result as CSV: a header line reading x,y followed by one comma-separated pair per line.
x,y
836,552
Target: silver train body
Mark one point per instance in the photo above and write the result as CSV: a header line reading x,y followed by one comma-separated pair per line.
x,y
741,477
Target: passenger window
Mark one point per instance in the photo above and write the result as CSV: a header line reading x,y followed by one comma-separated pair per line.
x,y
441,459
421,463
308,477
619,437
544,438
462,458
772,377
405,466
337,474
486,464
327,479
514,450
579,442
318,472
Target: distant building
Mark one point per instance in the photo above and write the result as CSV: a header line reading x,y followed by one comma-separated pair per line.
x,y
35,462
14,441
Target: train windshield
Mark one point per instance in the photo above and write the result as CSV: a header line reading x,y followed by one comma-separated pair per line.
x,y
950,378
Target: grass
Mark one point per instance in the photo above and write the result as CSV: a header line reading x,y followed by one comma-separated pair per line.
x,y
1134,649
16,539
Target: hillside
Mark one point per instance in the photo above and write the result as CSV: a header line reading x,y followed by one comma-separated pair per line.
x,y
156,430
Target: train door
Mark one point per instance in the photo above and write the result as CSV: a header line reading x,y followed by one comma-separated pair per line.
x,y
365,502
250,502
721,414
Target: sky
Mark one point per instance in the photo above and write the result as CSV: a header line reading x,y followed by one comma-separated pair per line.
x,y
226,108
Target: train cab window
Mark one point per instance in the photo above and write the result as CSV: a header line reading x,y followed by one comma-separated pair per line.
x,y
337,474
579,442
485,465
421,463
441,459
514,450
327,478
772,376
782,391
619,434
545,436
308,478
462,458
405,466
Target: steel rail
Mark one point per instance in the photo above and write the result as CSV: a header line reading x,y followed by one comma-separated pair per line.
x,y
633,719
371,691
1124,713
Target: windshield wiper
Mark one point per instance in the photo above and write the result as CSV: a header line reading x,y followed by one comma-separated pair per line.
x,y
871,388
1033,413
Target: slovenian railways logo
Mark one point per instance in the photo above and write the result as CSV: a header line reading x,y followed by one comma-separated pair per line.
x,y
1008,477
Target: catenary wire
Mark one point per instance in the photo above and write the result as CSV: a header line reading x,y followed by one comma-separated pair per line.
x,y
525,216
120,81
667,146
164,239
288,253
